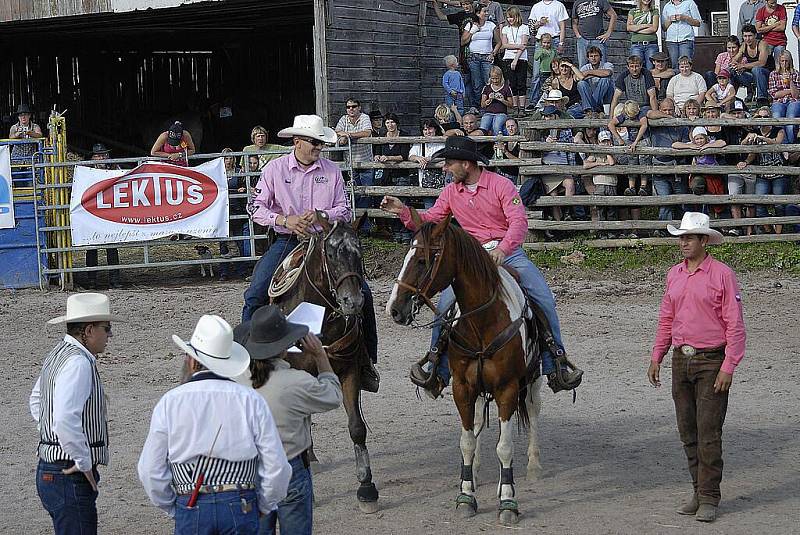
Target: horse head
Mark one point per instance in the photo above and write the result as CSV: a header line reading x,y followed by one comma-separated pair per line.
x,y
426,271
342,265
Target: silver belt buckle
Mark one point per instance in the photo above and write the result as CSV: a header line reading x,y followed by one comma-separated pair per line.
x,y
491,245
688,350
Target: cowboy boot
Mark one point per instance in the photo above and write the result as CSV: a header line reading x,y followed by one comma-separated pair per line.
x,y
566,377
429,381
706,512
370,378
690,507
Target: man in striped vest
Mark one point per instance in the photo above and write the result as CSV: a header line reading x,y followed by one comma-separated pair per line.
x,y
68,403
213,456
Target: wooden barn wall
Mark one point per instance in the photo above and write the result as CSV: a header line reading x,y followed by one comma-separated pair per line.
x,y
15,10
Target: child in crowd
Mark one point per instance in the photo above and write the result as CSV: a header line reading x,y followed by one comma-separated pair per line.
x,y
453,84
604,185
723,92
691,109
634,136
544,55
701,184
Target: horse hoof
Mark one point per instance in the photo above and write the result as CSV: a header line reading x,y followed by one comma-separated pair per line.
x,y
466,505
369,508
508,517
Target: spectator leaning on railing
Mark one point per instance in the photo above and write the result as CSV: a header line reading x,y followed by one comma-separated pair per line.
x,y
421,154
258,139
634,136
603,184
635,84
643,23
699,183
738,183
664,137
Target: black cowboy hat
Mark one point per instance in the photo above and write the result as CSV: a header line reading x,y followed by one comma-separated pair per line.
x,y
175,134
99,148
460,148
23,108
268,333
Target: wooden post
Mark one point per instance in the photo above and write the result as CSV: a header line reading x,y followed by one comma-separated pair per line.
x,y
321,59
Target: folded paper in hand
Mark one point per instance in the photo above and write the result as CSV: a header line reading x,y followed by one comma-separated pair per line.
x,y
307,314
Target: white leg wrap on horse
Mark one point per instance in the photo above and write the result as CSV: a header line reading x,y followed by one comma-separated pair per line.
x,y
505,452
468,442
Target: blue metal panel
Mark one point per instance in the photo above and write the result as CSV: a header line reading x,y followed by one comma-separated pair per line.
x,y
18,263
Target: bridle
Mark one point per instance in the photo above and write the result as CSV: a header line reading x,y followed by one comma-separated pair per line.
x,y
333,285
429,276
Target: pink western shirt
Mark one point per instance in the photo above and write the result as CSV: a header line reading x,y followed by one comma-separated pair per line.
x,y
493,211
286,188
702,309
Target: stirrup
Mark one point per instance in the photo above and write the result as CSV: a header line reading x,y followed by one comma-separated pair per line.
x,y
557,381
417,373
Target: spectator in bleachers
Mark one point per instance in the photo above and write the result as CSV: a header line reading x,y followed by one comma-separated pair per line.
x,y
449,120
635,84
664,137
453,84
678,18
460,19
771,25
175,144
238,227
747,13
351,127
567,82
546,17
784,89
495,11
725,60
602,184
587,25
767,184
100,153
421,153
643,22
722,93
258,139
596,86
635,136
691,109
547,60
686,84
738,183
509,150
24,128
558,183
662,74
390,153
376,118
495,101
700,183
471,128
712,110
515,36
753,64
483,37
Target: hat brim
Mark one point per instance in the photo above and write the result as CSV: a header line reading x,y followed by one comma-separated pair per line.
x,y
714,237
452,153
268,350
174,142
85,319
554,100
328,135
234,365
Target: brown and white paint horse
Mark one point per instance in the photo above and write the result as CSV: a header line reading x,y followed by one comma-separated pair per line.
x,y
487,355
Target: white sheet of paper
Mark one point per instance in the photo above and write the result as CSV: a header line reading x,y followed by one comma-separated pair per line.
x,y
307,314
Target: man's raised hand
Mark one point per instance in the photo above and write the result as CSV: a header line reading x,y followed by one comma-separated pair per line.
x,y
393,205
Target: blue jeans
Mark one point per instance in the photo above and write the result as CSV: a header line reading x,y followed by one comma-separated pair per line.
x,y
679,49
69,499
776,50
584,44
295,511
771,186
469,96
793,210
256,297
595,92
668,185
535,91
532,281
790,110
449,100
494,122
645,51
479,70
576,110
758,76
218,513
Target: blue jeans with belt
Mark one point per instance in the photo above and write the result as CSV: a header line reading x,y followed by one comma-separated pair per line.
x,y
235,511
532,281
69,499
295,511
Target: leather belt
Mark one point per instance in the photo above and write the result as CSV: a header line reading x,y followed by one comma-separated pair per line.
x,y
690,351
214,489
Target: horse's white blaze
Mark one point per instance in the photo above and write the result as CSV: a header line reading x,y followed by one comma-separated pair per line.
x,y
468,445
396,287
505,452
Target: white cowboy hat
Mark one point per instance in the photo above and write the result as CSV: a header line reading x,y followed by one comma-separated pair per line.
x,y
212,346
555,95
696,223
86,307
310,126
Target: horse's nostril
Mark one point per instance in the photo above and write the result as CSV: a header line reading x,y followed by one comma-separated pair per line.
x,y
395,313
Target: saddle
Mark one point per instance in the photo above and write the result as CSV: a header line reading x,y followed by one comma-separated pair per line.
x,y
289,270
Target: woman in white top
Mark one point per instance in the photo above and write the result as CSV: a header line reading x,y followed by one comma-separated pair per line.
x,y
484,42
515,38
421,153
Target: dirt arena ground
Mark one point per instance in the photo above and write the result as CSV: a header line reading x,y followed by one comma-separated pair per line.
x,y
613,462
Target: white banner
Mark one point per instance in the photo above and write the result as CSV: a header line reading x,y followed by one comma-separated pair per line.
x,y
6,190
152,201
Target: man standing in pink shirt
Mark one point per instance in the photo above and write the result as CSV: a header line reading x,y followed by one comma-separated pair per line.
x,y
488,207
701,318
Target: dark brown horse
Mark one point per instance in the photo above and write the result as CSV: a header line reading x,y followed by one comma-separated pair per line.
x,y
332,277
489,347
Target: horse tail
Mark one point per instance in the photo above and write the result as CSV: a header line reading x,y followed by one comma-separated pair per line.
x,y
523,418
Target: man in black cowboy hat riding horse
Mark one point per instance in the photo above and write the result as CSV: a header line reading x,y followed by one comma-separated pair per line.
x,y
489,208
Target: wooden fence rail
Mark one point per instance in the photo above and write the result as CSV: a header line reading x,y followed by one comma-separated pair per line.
x,y
541,146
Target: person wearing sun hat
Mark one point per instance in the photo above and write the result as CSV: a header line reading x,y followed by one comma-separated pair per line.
x,y
293,396
217,428
701,320
68,403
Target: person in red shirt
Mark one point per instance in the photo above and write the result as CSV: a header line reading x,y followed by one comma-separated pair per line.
x,y
771,24
701,318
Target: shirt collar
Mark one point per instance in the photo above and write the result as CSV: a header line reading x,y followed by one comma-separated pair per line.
x,y
482,182
294,164
74,341
704,265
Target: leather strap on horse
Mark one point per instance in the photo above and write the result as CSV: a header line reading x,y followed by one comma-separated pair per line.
x,y
351,337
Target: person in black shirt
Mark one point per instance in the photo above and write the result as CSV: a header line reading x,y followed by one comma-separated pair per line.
x,y
376,117
460,20
394,152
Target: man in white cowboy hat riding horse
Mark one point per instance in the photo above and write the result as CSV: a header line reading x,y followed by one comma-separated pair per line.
x,y
488,207
701,319
293,191
68,403
213,456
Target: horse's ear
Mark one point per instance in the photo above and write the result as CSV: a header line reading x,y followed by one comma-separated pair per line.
x,y
358,223
415,217
441,226
324,223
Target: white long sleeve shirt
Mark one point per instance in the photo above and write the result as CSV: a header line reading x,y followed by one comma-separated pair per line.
x,y
183,426
73,385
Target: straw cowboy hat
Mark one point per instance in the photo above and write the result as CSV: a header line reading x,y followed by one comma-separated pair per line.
x,y
555,95
212,346
85,308
268,334
460,148
309,126
696,223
